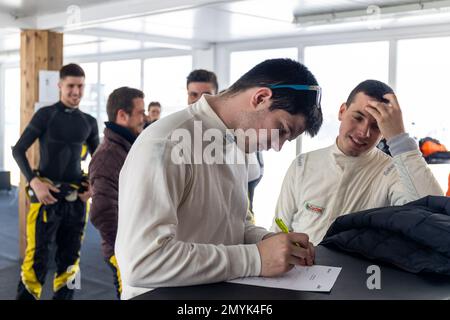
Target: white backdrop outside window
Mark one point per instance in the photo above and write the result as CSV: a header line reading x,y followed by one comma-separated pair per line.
x,y
165,82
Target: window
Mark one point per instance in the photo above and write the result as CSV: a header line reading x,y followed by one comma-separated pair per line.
x,y
89,103
113,75
242,61
338,69
165,82
12,121
422,86
275,163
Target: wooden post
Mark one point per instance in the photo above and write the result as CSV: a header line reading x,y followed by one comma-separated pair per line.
x,y
39,50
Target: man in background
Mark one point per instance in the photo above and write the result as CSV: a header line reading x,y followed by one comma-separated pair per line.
x,y
200,82
153,113
126,112
58,190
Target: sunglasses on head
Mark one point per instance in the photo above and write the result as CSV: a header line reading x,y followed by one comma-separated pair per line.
x,y
302,87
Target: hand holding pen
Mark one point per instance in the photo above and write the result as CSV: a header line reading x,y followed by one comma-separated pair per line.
x,y
280,223
282,251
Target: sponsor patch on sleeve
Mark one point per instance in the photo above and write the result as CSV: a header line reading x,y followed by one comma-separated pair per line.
x,y
300,160
313,208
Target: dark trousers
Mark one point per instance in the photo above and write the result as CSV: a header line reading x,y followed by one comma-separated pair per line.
x,y
64,223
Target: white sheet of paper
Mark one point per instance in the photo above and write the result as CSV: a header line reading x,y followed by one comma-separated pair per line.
x,y
314,278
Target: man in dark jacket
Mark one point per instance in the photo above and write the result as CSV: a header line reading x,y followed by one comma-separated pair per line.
x,y
126,115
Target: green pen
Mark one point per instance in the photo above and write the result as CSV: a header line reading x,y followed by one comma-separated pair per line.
x,y
283,227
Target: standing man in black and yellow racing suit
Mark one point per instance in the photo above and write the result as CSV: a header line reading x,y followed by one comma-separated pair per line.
x,y
58,190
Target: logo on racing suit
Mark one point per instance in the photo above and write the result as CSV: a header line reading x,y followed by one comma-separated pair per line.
x,y
311,207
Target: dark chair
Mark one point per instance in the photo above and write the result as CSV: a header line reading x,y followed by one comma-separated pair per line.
x,y
5,180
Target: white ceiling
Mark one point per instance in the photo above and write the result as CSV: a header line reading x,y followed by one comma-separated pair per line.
x,y
239,20
28,8
169,23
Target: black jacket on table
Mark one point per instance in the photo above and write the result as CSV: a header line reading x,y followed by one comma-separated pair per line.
x,y
414,237
61,132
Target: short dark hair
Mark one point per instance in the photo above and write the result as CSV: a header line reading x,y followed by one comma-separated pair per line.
x,y
122,98
154,104
202,75
285,71
71,70
372,88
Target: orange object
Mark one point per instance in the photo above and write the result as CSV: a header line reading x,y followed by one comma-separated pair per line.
x,y
448,191
429,147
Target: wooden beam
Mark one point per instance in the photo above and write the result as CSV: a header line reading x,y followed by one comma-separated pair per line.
x,y
39,50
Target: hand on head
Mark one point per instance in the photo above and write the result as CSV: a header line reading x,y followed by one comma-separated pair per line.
x,y
388,116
